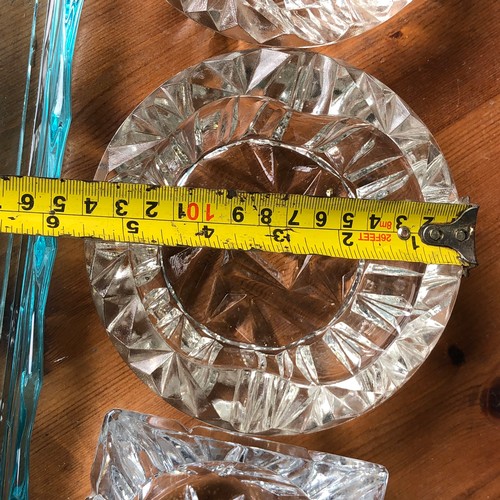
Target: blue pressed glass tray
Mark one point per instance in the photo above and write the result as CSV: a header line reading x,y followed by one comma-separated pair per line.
x,y
36,47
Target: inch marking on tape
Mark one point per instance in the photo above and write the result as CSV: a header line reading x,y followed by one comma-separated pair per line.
x,y
432,233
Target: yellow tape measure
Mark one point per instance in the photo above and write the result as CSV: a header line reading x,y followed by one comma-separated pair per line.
x,y
437,233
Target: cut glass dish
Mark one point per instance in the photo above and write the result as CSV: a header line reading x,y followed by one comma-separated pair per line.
x,y
260,342
36,48
151,458
290,23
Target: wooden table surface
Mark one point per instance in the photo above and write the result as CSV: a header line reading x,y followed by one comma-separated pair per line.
x,y
439,436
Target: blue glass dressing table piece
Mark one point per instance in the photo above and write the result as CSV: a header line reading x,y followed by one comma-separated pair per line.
x,y
37,41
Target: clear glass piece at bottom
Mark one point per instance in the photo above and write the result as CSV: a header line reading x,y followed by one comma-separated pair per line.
x,y
152,458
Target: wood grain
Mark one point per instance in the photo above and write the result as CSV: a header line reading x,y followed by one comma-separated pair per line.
x,y
436,436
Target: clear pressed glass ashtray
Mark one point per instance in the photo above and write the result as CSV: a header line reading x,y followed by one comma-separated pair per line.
x,y
151,458
290,23
260,342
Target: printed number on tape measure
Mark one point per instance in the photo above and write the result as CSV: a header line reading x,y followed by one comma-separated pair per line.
x,y
440,233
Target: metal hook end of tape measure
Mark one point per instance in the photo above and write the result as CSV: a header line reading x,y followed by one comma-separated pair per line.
x,y
460,235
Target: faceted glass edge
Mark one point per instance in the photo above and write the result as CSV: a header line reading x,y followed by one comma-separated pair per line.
x,y
19,395
185,369
135,449
293,23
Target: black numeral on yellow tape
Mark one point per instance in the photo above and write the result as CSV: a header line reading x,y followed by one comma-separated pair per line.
x,y
281,235
90,205
266,216
378,222
59,204
238,214
346,240
400,219
27,201
52,221
206,231
180,211
321,219
150,210
374,221
347,220
132,227
293,219
119,206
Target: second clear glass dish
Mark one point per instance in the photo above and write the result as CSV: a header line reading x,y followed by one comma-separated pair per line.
x,y
152,458
290,23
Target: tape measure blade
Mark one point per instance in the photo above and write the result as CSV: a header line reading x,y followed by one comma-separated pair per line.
x,y
341,227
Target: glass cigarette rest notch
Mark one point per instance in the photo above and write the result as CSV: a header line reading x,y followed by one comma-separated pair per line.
x,y
36,47
262,342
